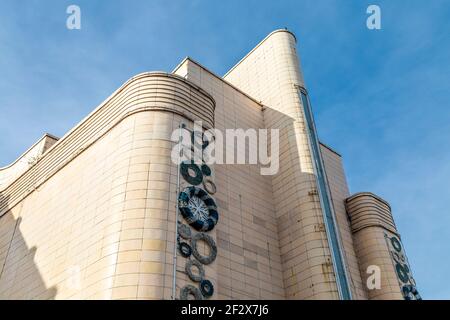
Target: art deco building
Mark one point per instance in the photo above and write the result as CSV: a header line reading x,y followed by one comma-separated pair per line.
x,y
103,212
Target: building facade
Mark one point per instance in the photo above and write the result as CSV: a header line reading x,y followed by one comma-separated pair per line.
x,y
104,212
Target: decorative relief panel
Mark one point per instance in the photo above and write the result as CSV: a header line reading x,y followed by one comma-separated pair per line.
x,y
402,269
199,216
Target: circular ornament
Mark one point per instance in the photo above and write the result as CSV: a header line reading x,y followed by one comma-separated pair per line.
x,y
184,231
198,208
190,290
396,244
186,168
206,170
206,288
198,140
212,248
410,292
192,276
402,272
185,249
209,186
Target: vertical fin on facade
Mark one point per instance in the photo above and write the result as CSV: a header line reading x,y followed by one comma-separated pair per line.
x,y
312,263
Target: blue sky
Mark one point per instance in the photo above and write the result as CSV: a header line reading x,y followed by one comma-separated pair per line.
x,y
381,98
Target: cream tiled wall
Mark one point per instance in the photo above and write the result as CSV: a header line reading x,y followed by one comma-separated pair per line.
x,y
371,248
339,193
94,216
102,225
249,263
271,73
371,219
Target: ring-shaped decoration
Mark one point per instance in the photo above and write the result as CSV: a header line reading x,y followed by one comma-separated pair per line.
x,y
406,291
206,288
415,293
198,208
396,244
191,275
410,292
184,231
206,170
398,257
402,271
197,135
209,186
185,249
212,248
190,290
184,170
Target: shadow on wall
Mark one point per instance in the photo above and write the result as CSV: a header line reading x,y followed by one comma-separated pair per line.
x,y
294,224
19,276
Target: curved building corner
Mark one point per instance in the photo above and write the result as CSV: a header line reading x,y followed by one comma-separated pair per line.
x,y
104,212
379,248
91,218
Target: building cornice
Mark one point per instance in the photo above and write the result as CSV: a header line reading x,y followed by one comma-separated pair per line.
x,y
150,91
